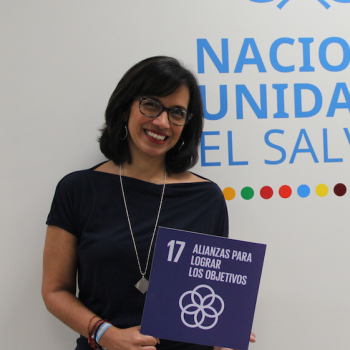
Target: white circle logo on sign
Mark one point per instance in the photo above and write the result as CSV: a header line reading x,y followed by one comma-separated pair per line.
x,y
322,2
201,306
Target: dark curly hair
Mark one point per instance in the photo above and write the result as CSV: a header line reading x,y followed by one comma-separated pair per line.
x,y
154,76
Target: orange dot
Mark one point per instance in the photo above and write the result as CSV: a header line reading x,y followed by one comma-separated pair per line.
x,y
229,193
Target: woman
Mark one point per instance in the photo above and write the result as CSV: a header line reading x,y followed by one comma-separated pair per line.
x,y
103,220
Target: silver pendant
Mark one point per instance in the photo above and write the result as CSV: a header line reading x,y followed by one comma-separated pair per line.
x,y
142,285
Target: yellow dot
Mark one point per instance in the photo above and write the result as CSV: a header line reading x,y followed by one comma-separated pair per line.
x,y
229,193
322,190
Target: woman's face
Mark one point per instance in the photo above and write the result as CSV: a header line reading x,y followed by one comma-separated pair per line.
x,y
153,137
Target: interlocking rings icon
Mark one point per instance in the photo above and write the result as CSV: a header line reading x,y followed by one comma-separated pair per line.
x,y
323,2
201,307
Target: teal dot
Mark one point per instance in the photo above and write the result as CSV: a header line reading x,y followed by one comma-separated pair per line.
x,y
247,193
303,191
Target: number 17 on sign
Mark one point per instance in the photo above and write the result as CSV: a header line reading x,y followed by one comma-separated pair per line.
x,y
171,246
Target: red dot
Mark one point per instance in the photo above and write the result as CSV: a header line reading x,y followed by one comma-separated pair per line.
x,y
266,192
340,190
285,191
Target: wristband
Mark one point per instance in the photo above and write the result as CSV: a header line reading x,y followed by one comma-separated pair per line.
x,y
101,331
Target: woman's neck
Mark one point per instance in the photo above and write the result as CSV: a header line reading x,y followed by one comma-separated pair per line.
x,y
150,170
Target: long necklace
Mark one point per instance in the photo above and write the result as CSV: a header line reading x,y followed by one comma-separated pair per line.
x,y
142,284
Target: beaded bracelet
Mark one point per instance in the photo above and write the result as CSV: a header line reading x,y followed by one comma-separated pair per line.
x,y
88,328
93,332
98,332
93,328
91,340
97,328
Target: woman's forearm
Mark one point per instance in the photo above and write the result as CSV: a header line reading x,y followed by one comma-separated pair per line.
x,y
69,309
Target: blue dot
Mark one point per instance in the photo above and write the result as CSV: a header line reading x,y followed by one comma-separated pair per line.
x,y
303,191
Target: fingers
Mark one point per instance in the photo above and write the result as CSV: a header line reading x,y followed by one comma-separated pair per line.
x,y
128,338
252,337
147,340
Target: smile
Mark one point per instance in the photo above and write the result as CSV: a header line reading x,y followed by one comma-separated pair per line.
x,y
156,136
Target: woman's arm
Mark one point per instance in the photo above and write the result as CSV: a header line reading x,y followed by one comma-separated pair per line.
x,y
58,291
59,280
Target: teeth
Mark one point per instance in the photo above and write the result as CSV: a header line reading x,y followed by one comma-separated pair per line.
x,y
155,136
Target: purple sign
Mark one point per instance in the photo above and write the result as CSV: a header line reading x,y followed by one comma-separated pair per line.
x,y
203,289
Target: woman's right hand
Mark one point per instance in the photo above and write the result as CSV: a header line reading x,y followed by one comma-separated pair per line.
x,y
127,339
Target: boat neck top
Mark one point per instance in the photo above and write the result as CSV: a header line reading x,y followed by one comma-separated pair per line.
x,y
89,205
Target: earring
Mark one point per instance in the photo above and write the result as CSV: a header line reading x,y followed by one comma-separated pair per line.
x,y
126,133
183,142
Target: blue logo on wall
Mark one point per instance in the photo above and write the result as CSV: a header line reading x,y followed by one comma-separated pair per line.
x,y
323,2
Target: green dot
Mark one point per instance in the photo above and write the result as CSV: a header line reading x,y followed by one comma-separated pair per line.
x,y
247,193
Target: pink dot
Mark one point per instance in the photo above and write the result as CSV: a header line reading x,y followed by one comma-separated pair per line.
x,y
266,192
285,191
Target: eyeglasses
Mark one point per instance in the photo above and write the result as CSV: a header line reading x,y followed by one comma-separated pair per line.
x,y
151,108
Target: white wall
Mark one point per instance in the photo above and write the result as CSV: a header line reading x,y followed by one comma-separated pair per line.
x,y
60,62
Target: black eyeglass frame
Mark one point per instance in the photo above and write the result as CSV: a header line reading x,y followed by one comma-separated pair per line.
x,y
188,115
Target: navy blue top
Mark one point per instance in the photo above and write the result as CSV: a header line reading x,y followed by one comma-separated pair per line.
x,y
89,205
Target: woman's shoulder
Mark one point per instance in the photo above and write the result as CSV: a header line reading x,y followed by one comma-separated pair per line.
x,y
199,184
78,176
187,177
74,176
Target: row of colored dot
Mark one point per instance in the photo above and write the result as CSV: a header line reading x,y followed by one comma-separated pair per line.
x,y
285,191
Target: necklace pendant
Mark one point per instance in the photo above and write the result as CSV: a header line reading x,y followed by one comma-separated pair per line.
x,y
142,285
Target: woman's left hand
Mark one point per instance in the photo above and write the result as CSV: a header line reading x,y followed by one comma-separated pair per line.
x,y
252,337
252,340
